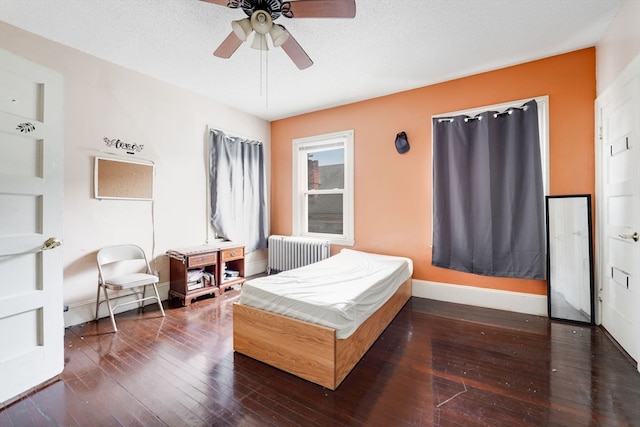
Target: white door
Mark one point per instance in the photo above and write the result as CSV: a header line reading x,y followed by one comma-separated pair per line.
x,y
31,182
618,111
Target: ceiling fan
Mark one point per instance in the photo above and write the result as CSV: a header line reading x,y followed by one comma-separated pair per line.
x,y
260,17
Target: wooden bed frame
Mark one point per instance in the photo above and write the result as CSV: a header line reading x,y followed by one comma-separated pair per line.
x,y
308,350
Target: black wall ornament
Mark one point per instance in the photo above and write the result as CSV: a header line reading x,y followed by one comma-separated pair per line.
x,y
129,148
402,143
26,127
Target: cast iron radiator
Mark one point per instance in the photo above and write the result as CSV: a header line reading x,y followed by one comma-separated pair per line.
x,y
287,252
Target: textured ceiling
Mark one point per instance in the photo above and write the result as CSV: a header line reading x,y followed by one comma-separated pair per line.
x,y
390,46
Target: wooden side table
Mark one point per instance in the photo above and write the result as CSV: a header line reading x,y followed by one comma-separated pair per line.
x,y
230,265
189,261
216,268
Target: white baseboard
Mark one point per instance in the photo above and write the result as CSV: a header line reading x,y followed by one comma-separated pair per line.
x,y
252,268
481,297
85,311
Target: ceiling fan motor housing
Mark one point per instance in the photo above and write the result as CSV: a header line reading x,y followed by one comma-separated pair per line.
x,y
273,8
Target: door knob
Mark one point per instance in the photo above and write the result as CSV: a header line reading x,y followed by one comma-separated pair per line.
x,y
52,242
633,236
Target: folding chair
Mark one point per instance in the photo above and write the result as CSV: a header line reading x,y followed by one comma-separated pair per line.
x,y
112,262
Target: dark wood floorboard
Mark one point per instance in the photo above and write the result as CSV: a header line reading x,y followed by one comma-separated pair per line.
x,y
437,364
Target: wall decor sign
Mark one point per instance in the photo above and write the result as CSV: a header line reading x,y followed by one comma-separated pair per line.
x,y
117,143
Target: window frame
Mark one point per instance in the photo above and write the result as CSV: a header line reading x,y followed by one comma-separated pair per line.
x,y
300,192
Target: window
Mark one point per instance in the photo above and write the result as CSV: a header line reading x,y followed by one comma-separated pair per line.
x,y
323,187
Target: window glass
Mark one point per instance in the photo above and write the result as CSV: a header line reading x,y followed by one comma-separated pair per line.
x,y
325,213
323,187
325,169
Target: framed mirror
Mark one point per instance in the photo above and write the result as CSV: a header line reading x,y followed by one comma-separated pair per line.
x,y
570,281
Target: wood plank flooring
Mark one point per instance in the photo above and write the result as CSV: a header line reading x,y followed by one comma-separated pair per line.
x,y
437,364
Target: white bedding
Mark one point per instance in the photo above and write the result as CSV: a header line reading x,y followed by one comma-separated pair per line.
x,y
340,292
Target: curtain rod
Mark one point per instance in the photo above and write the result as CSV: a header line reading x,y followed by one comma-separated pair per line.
x,y
540,100
479,117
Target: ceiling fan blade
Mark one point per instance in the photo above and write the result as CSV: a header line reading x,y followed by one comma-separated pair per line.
x,y
296,53
323,8
228,46
224,3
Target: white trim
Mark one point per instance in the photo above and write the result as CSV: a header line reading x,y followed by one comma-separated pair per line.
x,y
85,311
251,268
599,211
517,302
494,107
482,297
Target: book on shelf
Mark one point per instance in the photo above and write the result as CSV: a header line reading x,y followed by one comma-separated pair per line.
x,y
209,279
195,285
195,274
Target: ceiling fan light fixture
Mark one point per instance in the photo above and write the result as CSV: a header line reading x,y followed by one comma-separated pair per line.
x,y
259,42
242,28
261,14
261,22
278,35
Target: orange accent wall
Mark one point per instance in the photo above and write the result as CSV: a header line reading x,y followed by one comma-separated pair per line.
x,y
393,191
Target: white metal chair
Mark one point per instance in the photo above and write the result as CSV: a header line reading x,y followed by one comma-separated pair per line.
x,y
114,273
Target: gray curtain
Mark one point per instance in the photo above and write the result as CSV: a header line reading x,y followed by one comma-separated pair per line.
x,y
488,202
238,190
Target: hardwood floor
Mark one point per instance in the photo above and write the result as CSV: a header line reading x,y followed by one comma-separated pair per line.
x,y
437,364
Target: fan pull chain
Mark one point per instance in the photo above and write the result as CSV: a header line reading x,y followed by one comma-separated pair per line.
x,y
261,61
264,76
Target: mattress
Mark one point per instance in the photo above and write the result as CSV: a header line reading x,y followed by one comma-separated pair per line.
x,y
340,292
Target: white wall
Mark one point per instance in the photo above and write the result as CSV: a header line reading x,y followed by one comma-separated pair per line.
x,y
619,45
106,100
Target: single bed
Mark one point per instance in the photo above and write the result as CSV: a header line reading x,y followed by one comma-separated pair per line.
x,y
318,321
